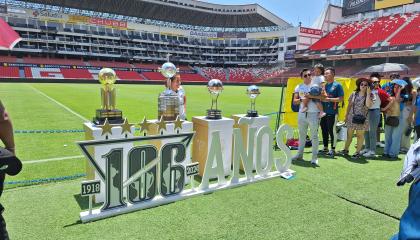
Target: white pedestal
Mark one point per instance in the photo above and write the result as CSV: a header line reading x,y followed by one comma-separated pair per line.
x,y
203,137
170,129
93,132
257,122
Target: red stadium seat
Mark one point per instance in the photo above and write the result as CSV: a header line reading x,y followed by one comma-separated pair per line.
x,y
410,34
379,30
9,72
129,75
338,35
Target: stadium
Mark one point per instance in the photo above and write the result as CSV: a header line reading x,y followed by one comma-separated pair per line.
x,y
49,86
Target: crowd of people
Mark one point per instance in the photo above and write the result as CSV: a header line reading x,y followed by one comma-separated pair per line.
x,y
393,107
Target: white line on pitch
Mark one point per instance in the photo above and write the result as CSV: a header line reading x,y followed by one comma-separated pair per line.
x,y
51,159
60,104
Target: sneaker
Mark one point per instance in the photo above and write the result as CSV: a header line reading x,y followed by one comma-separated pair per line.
x,y
403,150
356,156
385,155
364,151
322,114
297,157
314,161
344,152
304,109
323,151
380,144
369,154
331,153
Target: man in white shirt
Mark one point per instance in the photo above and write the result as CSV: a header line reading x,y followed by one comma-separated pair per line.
x,y
306,119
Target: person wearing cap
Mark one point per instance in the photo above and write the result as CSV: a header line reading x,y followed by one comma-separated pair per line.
x,y
359,104
384,102
389,85
6,136
393,126
380,99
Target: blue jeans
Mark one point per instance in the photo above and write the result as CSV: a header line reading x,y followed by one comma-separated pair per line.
x,y
374,116
393,139
409,223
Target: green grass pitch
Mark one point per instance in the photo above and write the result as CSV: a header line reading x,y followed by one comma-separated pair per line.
x,y
341,199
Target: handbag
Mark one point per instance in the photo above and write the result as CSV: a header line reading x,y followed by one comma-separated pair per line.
x,y
358,118
392,121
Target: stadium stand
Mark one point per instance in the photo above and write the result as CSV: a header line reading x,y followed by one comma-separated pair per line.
x,y
338,35
215,73
377,31
52,61
410,34
129,75
9,72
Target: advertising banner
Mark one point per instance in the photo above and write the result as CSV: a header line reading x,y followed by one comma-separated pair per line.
x,y
311,31
380,4
231,35
203,34
351,7
98,21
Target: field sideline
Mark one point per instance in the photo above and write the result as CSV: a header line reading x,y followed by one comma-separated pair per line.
x,y
341,199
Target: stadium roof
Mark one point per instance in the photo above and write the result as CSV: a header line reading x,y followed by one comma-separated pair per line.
x,y
189,12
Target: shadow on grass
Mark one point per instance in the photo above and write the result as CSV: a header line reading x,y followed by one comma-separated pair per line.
x,y
84,202
361,160
303,163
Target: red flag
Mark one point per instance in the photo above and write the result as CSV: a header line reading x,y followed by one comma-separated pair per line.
x,y
8,36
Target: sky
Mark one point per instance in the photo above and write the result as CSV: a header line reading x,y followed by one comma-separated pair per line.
x,y
292,11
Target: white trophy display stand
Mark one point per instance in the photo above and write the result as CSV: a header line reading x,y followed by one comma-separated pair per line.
x,y
257,122
204,128
93,132
170,129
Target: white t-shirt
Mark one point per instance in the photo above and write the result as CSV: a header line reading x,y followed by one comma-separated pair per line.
x,y
182,113
317,80
376,100
301,89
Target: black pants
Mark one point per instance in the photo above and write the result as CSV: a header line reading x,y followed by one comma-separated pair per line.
x,y
3,232
328,125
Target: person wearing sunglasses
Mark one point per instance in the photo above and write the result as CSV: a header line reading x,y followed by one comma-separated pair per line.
x,y
308,119
317,89
379,99
356,115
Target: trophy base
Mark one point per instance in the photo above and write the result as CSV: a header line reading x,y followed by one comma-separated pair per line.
x,y
214,114
252,113
114,116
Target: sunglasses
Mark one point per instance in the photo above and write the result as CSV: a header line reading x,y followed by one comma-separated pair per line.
x,y
307,75
363,84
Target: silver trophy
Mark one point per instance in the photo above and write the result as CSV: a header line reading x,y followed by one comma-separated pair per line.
x,y
253,91
168,101
215,87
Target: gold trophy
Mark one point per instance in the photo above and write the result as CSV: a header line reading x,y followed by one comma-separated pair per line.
x,y
253,91
107,78
168,101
